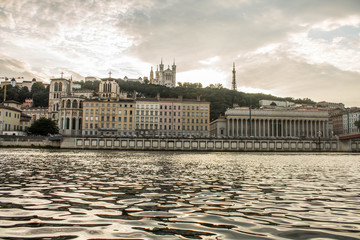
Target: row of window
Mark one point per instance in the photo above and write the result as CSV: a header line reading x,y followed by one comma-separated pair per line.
x,y
172,107
125,112
7,127
8,114
170,127
125,105
108,126
120,112
113,118
112,133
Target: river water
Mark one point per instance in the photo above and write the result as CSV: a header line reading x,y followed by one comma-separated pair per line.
x,y
57,194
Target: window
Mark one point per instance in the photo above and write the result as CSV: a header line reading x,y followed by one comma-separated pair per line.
x,y
119,112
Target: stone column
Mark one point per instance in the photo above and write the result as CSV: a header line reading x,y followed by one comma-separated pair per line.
x,y
264,128
255,127
233,127
237,128
327,129
241,127
228,127
246,127
303,128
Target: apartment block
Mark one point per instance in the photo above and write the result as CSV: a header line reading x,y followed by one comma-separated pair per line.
x,y
174,117
108,118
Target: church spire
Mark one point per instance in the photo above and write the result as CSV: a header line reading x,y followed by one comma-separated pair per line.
x,y
233,85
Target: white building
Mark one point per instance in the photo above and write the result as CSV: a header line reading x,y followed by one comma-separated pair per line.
x,y
270,103
272,123
165,77
349,120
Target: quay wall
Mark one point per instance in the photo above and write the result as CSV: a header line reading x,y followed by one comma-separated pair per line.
x,y
27,141
178,144
230,145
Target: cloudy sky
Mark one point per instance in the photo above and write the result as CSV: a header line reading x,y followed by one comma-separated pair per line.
x,y
296,48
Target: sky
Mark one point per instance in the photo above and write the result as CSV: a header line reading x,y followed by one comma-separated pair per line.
x,y
288,48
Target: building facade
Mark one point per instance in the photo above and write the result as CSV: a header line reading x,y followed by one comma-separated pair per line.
x,y
36,112
172,117
59,88
108,118
349,119
165,77
147,117
287,123
110,113
331,105
13,121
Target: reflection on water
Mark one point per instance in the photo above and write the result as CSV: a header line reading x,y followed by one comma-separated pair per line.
x,y
51,194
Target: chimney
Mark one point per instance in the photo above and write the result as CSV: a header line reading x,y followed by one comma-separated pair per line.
x,y
180,97
158,96
198,98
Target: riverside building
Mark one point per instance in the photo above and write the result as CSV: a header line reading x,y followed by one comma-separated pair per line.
x,y
12,120
272,123
172,117
108,118
109,112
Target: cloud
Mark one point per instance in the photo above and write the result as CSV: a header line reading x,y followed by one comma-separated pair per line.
x,y
222,28
278,39
12,68
287,77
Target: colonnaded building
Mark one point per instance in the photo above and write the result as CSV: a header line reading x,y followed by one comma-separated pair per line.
x,y
110,112
272,123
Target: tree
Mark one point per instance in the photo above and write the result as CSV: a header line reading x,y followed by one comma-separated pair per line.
x,y
273,104
37,87
44,127
357,124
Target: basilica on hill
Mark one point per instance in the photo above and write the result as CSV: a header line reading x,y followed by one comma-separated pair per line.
x,y
165,77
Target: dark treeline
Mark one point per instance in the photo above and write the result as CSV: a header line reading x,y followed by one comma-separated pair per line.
x,y
220,98
39,93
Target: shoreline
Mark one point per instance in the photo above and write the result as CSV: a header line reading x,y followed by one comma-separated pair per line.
x,y
182,144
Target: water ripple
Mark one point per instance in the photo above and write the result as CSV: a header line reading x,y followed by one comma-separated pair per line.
x,y
57,194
